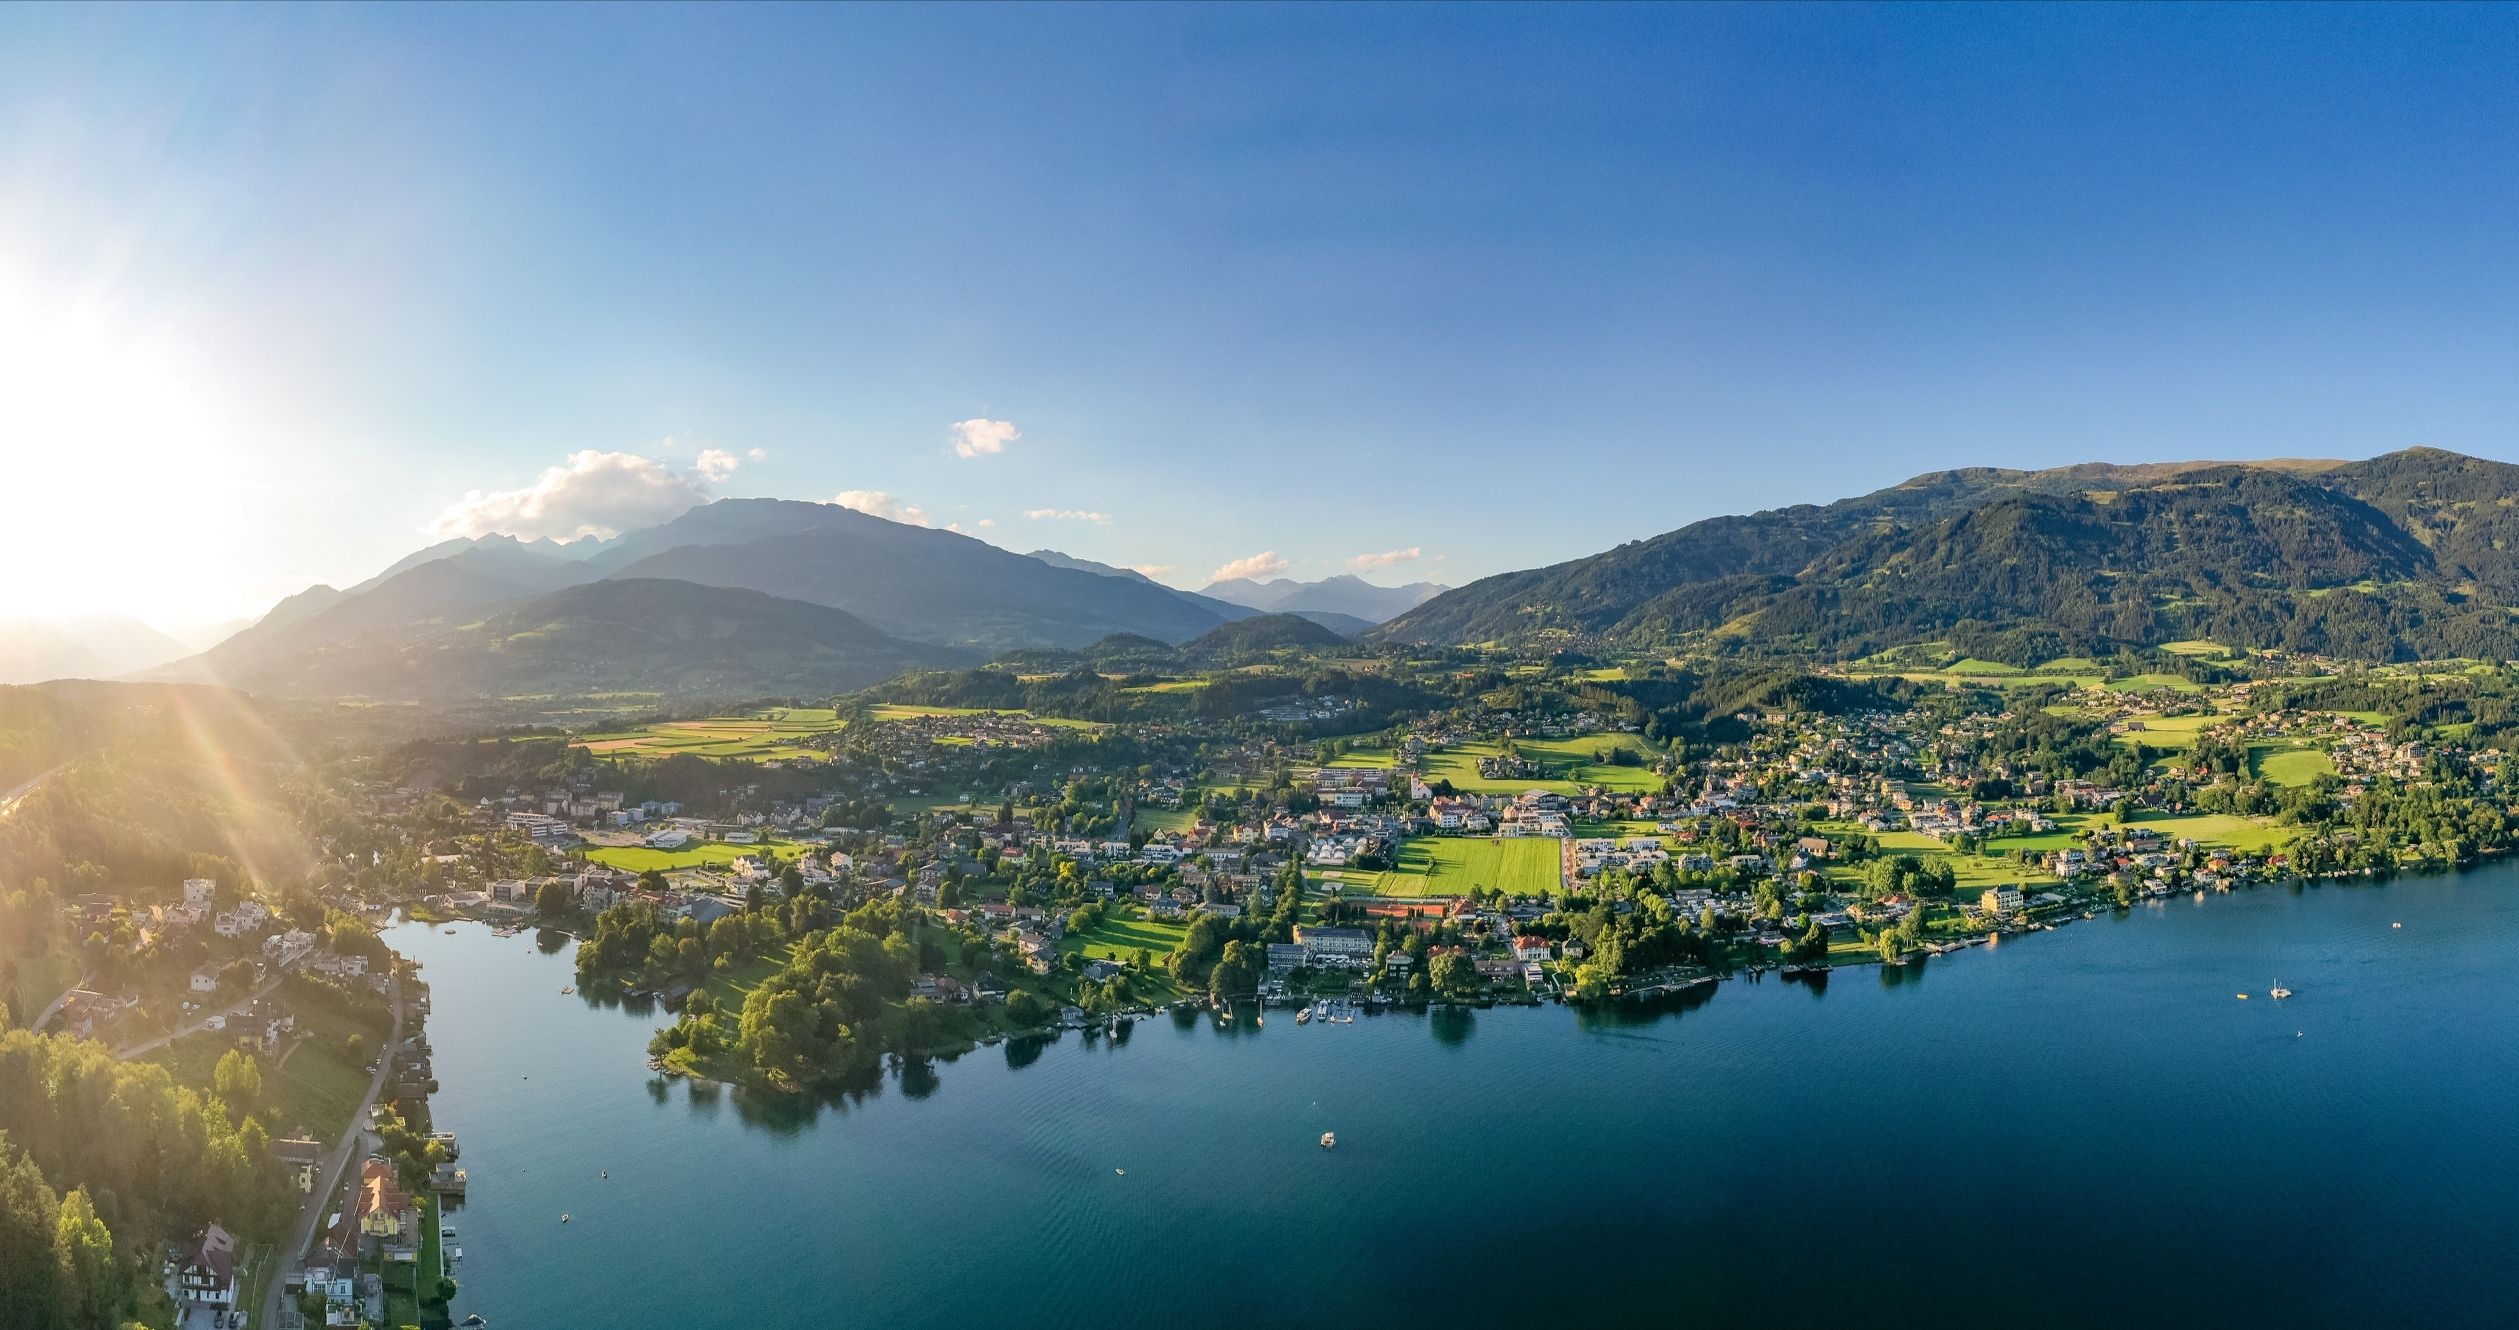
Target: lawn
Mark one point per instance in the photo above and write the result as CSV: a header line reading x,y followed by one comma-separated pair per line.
x,y
639,858
2223,830
733,984
2149,683
1566,765
315,1092
1123,932
2289,766
1451,865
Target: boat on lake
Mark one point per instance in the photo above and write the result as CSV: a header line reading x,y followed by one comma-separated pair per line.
x,y
2279,991
1329,1140
1303,1017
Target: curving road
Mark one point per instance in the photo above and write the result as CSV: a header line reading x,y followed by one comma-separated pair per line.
x,y
12,798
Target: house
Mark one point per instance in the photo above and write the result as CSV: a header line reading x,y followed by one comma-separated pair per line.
x,y
207,1278
205,980
1530,947
1284,956
1340,945
197,894
299,1160
380,1216
2000,900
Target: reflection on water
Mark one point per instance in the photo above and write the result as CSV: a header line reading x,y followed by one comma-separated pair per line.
x,y
2096,1087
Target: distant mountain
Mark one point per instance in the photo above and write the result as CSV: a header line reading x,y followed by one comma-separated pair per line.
x,y
911,584
33,650
2414,553
616,635
912,581
1345,625
1262,635
1223,609
1344,594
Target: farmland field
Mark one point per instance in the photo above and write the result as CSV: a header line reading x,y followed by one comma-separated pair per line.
x,y
1451,865
771,735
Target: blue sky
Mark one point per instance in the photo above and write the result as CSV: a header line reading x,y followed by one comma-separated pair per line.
x,y
1498,285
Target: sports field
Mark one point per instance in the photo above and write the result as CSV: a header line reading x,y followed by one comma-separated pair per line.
x,y
1451,865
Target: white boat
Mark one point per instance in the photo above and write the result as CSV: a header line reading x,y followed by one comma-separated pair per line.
x,y
1329,1140
1303,1017
2279,991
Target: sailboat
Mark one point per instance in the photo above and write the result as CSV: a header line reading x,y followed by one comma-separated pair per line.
x,y
2279,991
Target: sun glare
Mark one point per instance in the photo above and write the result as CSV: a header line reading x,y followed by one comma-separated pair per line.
x,y
118,462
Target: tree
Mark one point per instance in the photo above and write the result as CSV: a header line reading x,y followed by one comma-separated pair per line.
x,y
1453,975
554,899
93,1286
31,1295
1024,1011
238,1079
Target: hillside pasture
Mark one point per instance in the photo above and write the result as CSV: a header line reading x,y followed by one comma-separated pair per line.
x,y
763,736
1567,766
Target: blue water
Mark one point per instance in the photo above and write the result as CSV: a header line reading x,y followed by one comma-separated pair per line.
x,y
2079,1127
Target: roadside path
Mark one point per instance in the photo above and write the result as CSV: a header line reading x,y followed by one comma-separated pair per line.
x,y
130,1051
311,1212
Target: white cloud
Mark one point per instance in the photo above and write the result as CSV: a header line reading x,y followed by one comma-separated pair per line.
x,y
1154,570
759,454
1365,563
591,494
1266,563
1067,515
988,521
982,437
717,464
876,503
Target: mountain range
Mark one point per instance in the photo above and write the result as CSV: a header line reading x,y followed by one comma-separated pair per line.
x,y
737,596
2414,553
1345,596
33,650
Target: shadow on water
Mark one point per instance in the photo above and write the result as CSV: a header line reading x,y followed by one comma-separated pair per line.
x,y
1186,1018
1610,1017
918,1078
1025,1049
550,941
1815,981
1900,976
1452,1026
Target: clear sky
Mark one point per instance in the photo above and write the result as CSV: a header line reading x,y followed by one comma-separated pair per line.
x,y
284,292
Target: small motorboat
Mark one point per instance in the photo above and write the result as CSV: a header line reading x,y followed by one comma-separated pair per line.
x,y
1303,1017
564,1219
1329,1140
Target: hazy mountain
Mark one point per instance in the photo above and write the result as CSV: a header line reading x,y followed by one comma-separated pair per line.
x,y
1223,609
1345,625
1344,594
915,582
2403,554
80,647
615,635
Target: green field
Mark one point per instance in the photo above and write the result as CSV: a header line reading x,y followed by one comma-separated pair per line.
x,y
2223,831
2148,683
2289,766
43,977
315,1091
1451,865
770,735
2176,732
1566,763
639,858
1123,932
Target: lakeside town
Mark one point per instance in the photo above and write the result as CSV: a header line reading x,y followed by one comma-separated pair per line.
x,y
1536,834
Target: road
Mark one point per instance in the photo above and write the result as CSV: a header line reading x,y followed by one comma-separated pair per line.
x,y
37,1024
10,800
131,1051
319,1201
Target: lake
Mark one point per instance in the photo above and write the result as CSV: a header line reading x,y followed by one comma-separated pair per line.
x,y
2077,1127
